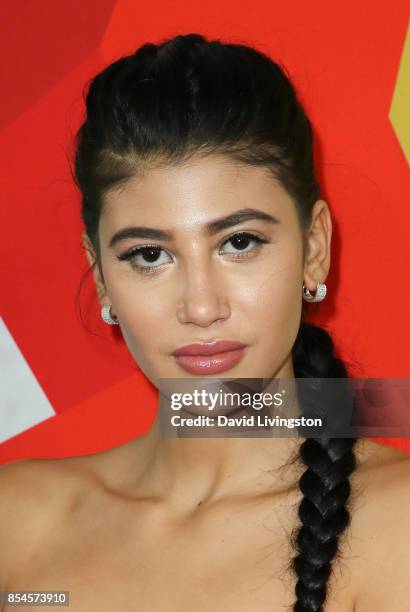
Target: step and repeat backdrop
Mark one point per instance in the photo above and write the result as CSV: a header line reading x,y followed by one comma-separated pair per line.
x,y
68,385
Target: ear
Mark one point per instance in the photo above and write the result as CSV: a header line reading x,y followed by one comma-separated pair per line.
x,y
317,260
97,274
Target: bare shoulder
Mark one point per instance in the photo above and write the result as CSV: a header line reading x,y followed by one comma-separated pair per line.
x,y
382,469
381,483
380,542
39,487
35,494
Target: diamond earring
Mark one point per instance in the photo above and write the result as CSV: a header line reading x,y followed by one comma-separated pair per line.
x,y
107,317
320,294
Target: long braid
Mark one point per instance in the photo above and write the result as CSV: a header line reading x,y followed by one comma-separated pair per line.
x,y
325,482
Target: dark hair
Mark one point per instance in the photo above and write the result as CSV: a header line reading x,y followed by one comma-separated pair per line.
x,y
190,96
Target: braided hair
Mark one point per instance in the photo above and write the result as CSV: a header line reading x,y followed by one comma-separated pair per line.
x,y
188,95
325,485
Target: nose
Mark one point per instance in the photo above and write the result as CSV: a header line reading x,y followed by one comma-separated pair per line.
x,y
203,301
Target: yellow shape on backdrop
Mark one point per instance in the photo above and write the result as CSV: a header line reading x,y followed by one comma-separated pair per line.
x,y
399,114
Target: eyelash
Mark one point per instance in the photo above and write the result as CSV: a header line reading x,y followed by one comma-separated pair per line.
x,y
133,253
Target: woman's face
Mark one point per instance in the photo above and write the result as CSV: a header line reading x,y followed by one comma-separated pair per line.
x,y
221,259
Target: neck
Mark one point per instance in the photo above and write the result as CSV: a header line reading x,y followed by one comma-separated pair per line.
x,y
191,471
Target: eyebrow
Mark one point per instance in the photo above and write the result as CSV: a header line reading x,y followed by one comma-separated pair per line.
x,y
211,228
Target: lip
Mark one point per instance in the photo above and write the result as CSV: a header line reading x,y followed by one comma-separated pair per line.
x,y
209,348
209,358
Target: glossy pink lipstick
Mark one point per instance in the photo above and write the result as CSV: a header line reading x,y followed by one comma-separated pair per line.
x,y
209,358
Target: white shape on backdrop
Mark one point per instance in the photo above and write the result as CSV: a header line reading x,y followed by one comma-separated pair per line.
x,y
23,402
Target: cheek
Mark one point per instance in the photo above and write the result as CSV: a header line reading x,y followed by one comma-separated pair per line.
x,y
141,310
273,304
141,319
278,296
276,287
142,336
137,303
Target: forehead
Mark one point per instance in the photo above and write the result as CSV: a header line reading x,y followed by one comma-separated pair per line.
x,y
193,193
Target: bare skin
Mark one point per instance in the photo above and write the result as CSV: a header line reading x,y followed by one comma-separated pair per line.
x,y
70,524
182,524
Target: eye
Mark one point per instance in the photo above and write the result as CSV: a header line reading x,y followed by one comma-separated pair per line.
x,y
148,259
144,257
243,244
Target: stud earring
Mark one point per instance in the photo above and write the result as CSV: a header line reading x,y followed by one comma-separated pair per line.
x,y
320,294
107,317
